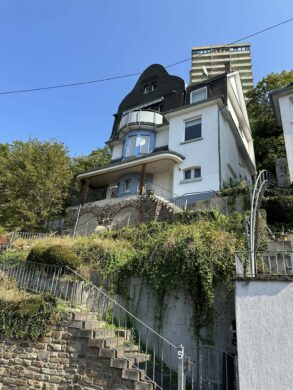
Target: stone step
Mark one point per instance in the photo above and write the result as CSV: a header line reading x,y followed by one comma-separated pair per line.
x,y
133,374
135,357
94,324
82,316
110,332
111,342
145,386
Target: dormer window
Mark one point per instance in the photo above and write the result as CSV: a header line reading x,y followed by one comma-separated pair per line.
x,y
147,88
198,95
150,87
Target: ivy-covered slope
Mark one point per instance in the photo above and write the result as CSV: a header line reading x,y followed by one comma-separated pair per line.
x,y
195,253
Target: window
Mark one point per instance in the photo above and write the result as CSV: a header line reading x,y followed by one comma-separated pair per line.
x,y
192,130
192,174
187,174
143,144
150,87
138,144
147,88
127,185
198,95
197,173
131,146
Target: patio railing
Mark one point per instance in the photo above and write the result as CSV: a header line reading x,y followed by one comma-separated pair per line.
x,y
267,263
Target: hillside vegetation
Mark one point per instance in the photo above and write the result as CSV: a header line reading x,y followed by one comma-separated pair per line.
x,y
23,315
195,253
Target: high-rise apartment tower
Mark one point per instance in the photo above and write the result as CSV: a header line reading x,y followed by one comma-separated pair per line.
x,y
211,60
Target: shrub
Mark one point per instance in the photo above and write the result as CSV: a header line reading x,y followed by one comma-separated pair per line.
x,y
279,210
22,315
36,254
54,255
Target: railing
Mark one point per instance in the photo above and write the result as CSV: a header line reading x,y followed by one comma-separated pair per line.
x,y
267,263
141,117
167,195
263,181
163,361
212,369
28,235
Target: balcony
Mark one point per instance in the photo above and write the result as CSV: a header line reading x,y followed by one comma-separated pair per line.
x,y
138,118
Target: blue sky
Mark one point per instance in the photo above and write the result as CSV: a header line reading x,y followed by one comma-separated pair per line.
x,y
46,42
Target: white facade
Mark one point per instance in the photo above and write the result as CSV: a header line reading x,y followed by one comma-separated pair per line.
x,y
283,107
264,319
200,147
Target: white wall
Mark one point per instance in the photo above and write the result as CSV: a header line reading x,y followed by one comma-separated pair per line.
x,y
264,320
163,179
162,138
230,155
117,151
203,153
286,108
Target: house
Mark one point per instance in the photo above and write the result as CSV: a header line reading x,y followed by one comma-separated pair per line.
x,y
174,142
282,101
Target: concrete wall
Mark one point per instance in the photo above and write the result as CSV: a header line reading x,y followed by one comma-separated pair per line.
x,y
264,320
173,317
286,108
232,165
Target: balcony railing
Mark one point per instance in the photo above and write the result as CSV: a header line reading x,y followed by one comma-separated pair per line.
x,y
141,117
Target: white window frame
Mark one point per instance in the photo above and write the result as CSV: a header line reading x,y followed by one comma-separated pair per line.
x,y
197,118
198,91
193,179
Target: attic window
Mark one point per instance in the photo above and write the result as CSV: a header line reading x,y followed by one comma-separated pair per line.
x,y
147,88
150,87
198,95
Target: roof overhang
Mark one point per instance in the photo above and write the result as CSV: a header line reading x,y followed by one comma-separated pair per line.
x,y
190,107
155,163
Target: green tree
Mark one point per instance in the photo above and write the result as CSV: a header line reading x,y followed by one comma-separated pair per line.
x,y
268,137
35,181
96,159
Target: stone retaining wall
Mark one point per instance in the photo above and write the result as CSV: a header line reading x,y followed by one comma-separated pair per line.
x,y
60,361
118,213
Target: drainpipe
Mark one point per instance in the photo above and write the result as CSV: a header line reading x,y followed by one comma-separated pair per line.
x,y
219,150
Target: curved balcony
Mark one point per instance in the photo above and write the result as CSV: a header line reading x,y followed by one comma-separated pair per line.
x,y
138,118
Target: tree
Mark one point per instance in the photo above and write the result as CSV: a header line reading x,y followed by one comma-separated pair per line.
x,y
268,137
96,159
34,182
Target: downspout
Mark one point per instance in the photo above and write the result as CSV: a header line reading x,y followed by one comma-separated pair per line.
x,y
219,150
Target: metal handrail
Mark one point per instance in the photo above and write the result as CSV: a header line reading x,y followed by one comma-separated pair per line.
x,y
163,357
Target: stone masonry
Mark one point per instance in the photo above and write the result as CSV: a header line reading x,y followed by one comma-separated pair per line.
x,y
118,213
67,358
